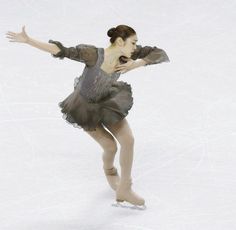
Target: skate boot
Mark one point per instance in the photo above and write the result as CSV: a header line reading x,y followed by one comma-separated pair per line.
x,y
112,177
125,193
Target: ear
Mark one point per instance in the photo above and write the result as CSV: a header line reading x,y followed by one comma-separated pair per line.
x,y
119,41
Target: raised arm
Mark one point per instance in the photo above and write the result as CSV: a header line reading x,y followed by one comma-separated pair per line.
x,y
23,37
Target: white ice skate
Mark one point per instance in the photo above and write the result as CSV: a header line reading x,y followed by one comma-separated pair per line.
x,y
125,204
127,198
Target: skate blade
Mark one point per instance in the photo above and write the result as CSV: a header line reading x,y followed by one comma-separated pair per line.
x,y
128,205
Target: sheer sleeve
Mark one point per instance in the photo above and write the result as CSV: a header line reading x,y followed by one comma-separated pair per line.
x,y
152,55
84,53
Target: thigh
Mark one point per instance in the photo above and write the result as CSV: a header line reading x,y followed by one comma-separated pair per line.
x,y
122,131
103,138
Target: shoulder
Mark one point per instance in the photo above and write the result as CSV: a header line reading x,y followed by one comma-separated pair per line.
x,y
86,46
88,52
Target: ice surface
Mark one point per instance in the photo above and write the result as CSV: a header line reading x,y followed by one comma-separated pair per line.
x,y
183,118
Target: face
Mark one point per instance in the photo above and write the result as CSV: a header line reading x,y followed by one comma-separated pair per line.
x,y
128,47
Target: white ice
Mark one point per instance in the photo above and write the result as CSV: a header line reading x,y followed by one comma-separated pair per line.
x,y
183,118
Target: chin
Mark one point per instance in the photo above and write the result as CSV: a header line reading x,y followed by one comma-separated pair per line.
x,y
125,56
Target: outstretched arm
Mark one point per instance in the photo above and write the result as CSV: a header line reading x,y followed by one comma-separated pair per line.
x,y
84,53
23,37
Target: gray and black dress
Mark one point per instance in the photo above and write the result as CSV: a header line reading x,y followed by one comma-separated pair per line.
x,y
98,97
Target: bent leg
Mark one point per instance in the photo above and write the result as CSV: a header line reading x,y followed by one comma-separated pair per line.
x,y
108,144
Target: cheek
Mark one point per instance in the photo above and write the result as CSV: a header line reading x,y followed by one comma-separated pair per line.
x,y
125,50
129,48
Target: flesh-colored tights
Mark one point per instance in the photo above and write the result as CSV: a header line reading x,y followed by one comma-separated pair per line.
x,y
123,134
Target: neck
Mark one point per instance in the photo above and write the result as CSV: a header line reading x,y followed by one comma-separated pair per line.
x,y
112,54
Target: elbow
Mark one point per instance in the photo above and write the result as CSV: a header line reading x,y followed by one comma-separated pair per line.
x,y
164,56
55,50
156,56
161,55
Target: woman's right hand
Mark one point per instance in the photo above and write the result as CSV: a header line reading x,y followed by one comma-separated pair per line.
x,y
18,37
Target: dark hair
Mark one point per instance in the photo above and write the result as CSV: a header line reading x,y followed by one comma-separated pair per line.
x,y
122,31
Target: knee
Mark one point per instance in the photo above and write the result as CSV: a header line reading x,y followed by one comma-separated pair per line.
x,y
127,141
110,146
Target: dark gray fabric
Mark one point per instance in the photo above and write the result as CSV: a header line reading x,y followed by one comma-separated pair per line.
x,y
152,55
98,97
87,53
84,53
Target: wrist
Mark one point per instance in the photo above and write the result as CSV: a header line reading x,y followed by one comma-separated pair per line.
x,y
140,62
27,41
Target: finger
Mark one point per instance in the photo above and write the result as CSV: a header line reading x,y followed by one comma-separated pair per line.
x,y
117,70
121,69
9,37
121,66
11,33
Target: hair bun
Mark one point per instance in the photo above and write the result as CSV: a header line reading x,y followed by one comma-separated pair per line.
x,y
111,31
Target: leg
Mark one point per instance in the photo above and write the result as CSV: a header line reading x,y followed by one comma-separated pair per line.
x,y
108,143
123,134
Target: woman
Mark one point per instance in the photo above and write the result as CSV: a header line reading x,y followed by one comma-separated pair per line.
x,y
99,103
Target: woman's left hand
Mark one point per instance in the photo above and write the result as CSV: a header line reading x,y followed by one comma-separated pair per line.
x,y
129,65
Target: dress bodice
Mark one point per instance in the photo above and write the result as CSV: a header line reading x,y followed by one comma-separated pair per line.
x,y
94,83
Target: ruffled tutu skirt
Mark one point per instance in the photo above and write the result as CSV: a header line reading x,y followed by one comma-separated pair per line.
x,y
113,107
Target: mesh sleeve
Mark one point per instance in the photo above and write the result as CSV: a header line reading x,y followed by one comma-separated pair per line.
x,y
152,55
84,53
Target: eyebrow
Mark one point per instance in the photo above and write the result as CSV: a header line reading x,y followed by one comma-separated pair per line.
x,y
135,40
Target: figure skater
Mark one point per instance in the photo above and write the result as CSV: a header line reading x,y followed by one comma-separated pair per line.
x,y
100,103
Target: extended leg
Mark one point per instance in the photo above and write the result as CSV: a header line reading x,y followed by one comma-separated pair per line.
x,y
123,134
